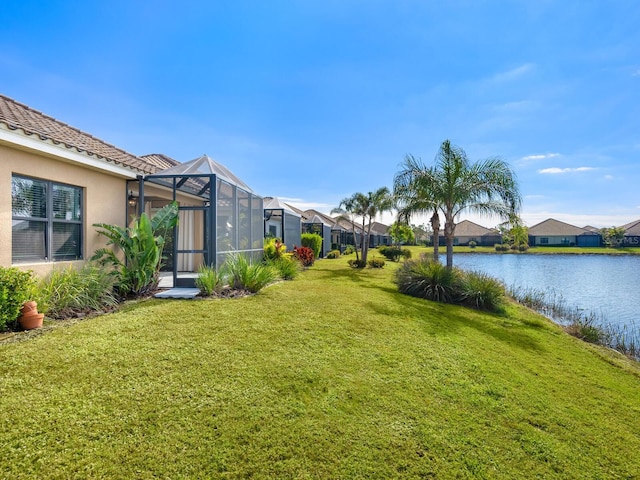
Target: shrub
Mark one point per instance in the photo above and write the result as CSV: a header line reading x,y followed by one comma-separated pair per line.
x,y
523,247
69,292
406,253
304,255
394,253
501,247
287,267
245,275
375,263
209,281
481,291
273,248
312,241
428,279
353,263
333,254
348,250
16,287
473,244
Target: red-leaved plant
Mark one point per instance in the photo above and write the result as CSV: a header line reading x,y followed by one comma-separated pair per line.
x,y
304,255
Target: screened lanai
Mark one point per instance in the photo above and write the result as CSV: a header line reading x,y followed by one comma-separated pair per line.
x,y
316,224
282,222
218,215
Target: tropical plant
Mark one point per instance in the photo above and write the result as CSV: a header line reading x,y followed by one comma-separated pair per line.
x,y
348,209
375,263
394,253
209,280
142,247
304,255
312,241
16,287
333,254
273,248
454,185
68,292
481,291
245,275
356,263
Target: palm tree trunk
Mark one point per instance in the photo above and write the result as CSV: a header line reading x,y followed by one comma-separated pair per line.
x,y
449,230
435,225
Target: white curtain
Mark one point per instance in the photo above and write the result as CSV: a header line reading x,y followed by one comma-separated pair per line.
x,y
186,230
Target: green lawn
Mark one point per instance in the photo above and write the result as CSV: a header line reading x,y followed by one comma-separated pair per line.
x,y
333,375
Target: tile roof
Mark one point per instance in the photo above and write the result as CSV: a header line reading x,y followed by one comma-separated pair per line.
x,y
632,229
379,228
551,227
467,228
17,116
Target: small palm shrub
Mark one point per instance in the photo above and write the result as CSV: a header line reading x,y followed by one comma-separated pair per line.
x,y
244,275
304,255
16,287
312,241
69,292
428,279
287,267
481,291
375,263
333,254
209,281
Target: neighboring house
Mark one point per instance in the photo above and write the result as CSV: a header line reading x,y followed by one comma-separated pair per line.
x,y
63,181
317,222
553,232
379,235
467,231
631,234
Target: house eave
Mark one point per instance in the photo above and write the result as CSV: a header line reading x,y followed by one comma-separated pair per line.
x,y
23,141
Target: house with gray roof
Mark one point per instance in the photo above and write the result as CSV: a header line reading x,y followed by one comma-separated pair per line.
x,y
631,234
467,231
553,232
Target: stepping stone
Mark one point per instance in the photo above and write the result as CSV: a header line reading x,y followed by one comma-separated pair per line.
x,y
178,293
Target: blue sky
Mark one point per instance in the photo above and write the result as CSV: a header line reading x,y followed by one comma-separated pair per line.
x,y
313,101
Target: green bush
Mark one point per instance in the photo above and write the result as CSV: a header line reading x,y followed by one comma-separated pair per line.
x,y
67,292
353,263
209,281
245,275
428,279
375,263
287,267
481,291
501,247
333,254
348,250
312,241
473,244
16,287
523,247
393,253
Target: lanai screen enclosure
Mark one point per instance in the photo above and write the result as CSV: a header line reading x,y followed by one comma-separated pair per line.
x,y
281,222
223,216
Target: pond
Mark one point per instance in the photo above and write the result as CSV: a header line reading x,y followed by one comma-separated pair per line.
x,y
606,285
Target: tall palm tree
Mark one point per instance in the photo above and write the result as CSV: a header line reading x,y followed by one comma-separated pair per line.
x,y
348,208
414,195
454,185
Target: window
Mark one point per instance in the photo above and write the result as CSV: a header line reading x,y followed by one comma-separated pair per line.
x,y
46,220
544,240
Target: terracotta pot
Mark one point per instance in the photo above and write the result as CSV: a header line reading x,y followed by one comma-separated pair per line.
x,y
30,318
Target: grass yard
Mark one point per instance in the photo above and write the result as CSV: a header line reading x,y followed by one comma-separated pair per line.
x,y
333,375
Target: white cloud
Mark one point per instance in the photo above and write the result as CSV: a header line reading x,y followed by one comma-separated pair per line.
x,y
540,157
608,177
556,170
513,74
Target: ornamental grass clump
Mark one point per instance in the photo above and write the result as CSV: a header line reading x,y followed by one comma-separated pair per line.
x,y
70,292
209,281
245,275
428,279
481,291
287,267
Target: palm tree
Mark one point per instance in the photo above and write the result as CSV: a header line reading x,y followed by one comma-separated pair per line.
x,y
414,195
348,208
454,185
